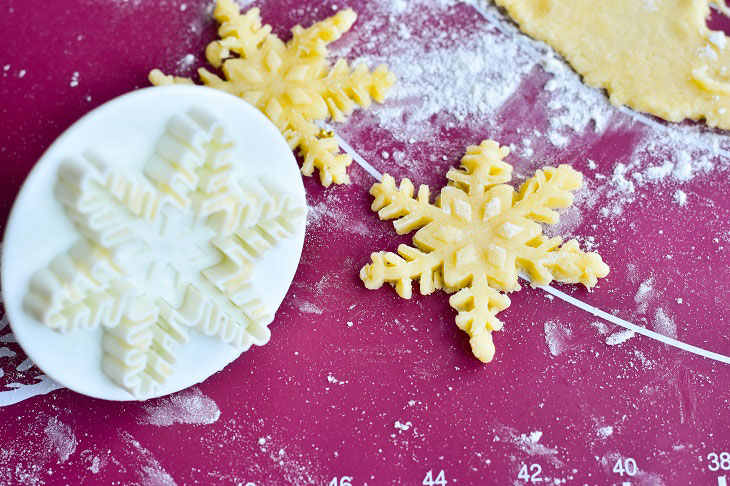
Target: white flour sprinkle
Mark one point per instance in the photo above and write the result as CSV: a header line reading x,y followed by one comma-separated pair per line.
x,y
555,336
663,324
185,407
620,337
147,467
334,381
644,294
402,426
573,105
605,432
680,197
600,326
62,439
441,81
186,61
309,308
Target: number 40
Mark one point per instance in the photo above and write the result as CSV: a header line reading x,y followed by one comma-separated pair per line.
x,y
627,466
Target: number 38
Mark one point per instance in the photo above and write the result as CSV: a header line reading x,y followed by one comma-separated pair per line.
x,y
719,462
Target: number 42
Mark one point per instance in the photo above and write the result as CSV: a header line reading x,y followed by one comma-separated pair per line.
x,y
531,475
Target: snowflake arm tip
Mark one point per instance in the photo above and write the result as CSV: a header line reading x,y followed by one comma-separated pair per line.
x,y
477,307
482,167
313,40
158,78
549,189
401,269
565,264
393,202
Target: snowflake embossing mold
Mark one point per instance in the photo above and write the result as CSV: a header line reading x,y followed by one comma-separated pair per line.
x,y
153,242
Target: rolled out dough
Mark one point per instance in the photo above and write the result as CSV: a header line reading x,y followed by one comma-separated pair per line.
x,y
655,56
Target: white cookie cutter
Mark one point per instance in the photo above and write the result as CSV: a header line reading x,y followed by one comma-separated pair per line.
x,y
119,151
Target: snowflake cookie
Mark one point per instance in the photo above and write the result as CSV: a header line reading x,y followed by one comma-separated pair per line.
x,y
292,83
477,237
163,252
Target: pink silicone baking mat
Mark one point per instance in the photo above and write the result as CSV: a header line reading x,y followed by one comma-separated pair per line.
x,y
361,387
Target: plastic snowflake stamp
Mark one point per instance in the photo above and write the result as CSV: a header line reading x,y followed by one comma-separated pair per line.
x,y
478,236
292,83
163,252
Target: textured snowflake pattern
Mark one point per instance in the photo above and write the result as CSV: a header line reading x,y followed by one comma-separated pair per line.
x,y
292,83
163,252
478,236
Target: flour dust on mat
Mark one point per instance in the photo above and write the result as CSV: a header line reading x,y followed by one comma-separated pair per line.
x,y
61,438
189,406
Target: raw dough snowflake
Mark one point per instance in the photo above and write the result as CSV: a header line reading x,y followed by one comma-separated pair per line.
x,y
477,236
292,83
162,253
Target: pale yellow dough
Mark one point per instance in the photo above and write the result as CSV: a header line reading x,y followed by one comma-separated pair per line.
x,y
477,236
655,56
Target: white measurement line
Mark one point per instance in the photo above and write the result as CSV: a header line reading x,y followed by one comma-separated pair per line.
x,y
488,16
562,295
357,158
638,329
641,118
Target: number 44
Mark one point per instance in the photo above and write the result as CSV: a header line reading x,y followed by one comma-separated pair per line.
x,y
430,481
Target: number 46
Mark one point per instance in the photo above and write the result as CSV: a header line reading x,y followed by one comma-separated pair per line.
x,y
430,481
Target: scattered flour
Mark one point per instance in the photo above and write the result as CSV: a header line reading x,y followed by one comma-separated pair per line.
x,y
680,197
663,324
185,407
61,438
528,443
600,326
606,431
402,426
186,61
556,335
644,294
453,77
620,337
335,381
146,466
